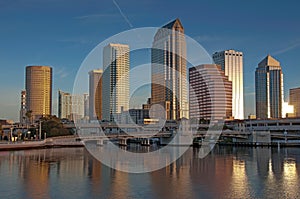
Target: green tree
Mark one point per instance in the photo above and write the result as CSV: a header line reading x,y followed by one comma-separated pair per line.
x,y
1,132
53,127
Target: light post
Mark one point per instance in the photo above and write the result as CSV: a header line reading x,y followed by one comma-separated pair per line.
x,y
40,130
11,133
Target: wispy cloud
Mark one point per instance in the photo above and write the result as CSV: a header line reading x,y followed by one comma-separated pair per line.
x,y
286,49
75,40
207,38
61,72
95,16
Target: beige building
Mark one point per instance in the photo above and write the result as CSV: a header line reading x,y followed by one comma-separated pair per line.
x,y
231,63
70,106
39,90
210,93
115,81
295,100
95,94
168,71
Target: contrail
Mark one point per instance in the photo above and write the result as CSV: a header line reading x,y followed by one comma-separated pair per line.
x,y
123,15
287,48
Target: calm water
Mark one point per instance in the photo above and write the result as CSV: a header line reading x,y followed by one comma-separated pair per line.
x,y
226,173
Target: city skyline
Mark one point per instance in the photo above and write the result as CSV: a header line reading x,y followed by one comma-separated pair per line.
x,y
84,31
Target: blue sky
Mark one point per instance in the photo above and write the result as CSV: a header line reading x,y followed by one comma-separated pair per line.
x,y
62,33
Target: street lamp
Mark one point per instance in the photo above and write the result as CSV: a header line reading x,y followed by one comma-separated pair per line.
x,y
40,130
11,133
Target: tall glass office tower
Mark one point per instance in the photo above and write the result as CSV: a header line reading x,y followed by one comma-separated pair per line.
x,y
168,71
269,89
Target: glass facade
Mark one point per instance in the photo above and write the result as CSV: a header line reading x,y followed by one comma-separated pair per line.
x,y
168,71
39,90
269,89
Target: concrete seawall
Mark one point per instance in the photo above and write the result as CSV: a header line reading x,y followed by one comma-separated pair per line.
x,y
66,141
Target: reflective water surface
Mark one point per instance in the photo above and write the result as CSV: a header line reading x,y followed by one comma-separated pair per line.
x,y
227,172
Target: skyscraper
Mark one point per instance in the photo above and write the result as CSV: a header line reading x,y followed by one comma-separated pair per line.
x,y
23,109
269,89
295,100
39,90
115,80
95,94
64,104
70,106
231,62
168,71
210,93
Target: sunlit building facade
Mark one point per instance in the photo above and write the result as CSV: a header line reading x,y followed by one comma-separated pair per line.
x,y
295,101
210,93
269,89
168,71
115,80
231,63
39,90
95,95
70,106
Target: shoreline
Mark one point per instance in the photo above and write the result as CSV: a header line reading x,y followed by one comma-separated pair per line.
x,y
55,142
71,144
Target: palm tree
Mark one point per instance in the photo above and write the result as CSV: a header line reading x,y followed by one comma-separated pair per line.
x,y
29,116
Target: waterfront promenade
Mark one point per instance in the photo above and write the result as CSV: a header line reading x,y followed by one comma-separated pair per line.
x,y
63,141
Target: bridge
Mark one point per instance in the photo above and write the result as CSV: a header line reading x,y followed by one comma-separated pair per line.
x,y
165,133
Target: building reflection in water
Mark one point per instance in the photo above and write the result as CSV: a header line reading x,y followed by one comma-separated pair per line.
x,y
290,179
239,182
227,172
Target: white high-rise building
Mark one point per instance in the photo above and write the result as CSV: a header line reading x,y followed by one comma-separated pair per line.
x,y
70,106
115,81
231,63
168,71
